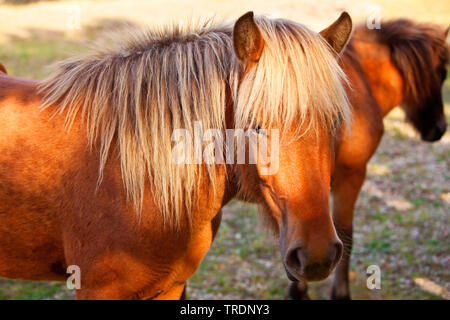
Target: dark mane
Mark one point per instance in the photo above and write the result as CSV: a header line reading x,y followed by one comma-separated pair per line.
x,y
412,48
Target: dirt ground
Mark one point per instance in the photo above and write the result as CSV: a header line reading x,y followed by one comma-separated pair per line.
x,y
402,219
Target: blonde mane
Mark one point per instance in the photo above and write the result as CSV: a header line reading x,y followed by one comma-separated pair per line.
x,y
134,97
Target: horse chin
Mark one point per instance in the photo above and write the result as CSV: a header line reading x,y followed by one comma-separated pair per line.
x,y
299,278
291,276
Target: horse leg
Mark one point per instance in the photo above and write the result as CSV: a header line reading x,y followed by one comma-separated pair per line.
x,y
347,183
215,224
131,267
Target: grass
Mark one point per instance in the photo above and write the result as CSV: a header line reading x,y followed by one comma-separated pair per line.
x,y
25,57
27,290
402,215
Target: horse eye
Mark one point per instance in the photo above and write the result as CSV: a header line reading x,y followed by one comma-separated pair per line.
x,y
335,124
257,129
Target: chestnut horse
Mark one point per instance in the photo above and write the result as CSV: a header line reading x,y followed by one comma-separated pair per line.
x,y
403,63
87,173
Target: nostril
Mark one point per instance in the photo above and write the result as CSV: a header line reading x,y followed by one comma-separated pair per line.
x,y
442,127
437,132
294,258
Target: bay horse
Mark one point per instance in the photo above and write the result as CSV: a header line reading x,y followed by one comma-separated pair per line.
x,y
86,163
401,64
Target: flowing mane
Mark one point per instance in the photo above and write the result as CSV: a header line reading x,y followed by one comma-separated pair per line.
x,y
135,95
412,45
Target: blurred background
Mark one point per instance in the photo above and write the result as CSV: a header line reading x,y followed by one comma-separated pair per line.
x,y
402,218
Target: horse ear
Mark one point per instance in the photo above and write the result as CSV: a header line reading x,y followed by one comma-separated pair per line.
x,y
338,34
248,42
3,69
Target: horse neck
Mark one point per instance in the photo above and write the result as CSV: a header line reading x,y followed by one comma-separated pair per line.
x,y
385,81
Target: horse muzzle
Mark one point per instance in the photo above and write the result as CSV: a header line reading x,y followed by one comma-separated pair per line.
x,y
302,264
436,132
